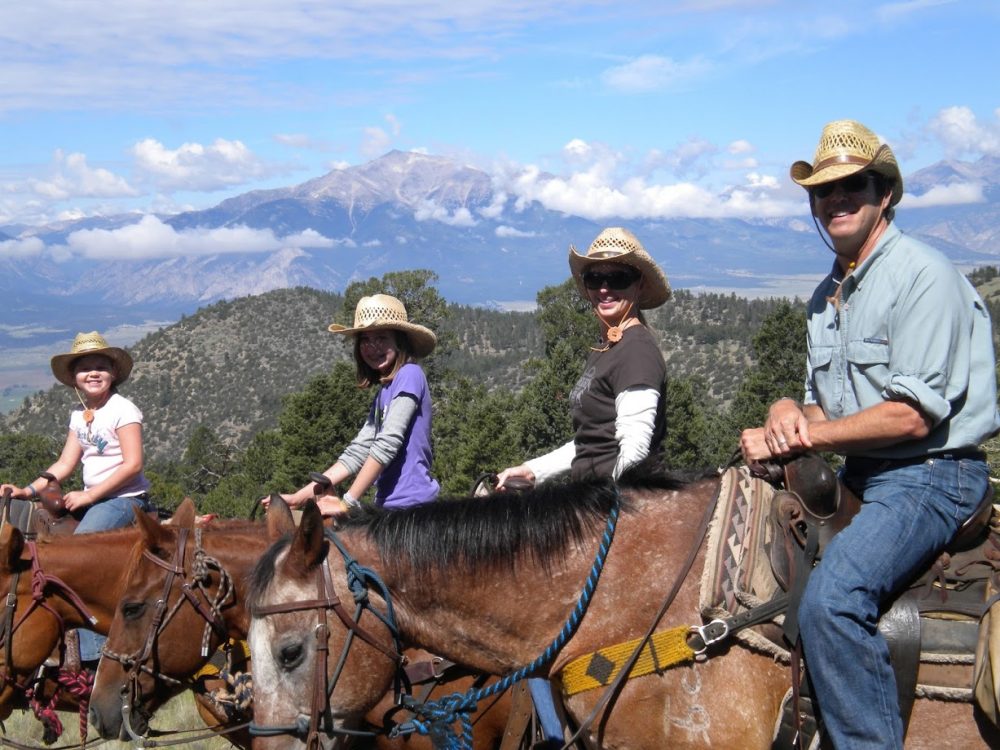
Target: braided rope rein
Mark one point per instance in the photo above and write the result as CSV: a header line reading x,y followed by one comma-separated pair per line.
x,y
437,719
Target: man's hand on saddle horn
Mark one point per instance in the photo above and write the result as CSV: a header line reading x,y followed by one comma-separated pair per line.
x,y
785,432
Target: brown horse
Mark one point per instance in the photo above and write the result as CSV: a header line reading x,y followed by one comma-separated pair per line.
x,y
60,582
172,644
491,583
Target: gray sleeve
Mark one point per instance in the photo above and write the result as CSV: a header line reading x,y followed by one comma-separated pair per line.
x,y
402,409
354,455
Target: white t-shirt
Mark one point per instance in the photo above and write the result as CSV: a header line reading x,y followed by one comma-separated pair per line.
x,y
102,453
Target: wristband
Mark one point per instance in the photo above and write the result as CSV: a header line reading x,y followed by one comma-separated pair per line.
x,y
349,500
31,488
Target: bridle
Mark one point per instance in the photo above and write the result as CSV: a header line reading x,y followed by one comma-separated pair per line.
x,y
359,579
43,585
194,591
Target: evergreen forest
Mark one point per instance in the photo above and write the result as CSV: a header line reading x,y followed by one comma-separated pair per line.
x,y
248,396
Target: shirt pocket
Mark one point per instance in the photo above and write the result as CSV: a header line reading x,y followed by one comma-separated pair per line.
x,y
868,352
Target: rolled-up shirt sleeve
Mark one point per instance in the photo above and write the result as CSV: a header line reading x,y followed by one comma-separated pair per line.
x,y
930,358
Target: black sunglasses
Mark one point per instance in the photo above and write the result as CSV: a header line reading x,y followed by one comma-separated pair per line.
x,y
616,280
856,183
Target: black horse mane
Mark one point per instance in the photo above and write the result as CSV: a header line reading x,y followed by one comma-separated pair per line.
x,y
470,534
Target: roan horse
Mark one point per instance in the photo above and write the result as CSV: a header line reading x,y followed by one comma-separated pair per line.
x,y
490,583
60,582
155,641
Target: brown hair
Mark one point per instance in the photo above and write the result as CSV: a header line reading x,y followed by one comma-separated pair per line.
x,y
369,376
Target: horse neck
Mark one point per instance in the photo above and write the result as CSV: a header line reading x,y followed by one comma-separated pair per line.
x,y
492,621
91,565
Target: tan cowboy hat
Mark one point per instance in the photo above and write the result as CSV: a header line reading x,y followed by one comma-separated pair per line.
x,y
846,147
380,312
90,343
618,245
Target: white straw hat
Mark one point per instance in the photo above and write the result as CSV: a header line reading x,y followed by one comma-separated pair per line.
x,y
845,148
618,245
83,345
382,311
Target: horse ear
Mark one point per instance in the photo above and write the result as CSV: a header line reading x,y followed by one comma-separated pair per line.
x,y
308,547
279,518
185,514
11,546
150,529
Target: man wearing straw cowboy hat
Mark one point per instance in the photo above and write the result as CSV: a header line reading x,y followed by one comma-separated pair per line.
x,y
901,380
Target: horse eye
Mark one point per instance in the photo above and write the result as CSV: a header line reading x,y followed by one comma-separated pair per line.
x,y
133,610
290,656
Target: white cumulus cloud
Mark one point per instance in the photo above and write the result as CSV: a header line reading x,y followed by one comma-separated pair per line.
x,y
72,177
962,134
151,238
955,194
194,166
430,211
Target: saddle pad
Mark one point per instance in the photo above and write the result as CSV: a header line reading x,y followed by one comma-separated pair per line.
x,y
737,574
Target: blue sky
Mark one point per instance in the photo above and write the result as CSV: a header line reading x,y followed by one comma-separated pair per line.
x,y
667,108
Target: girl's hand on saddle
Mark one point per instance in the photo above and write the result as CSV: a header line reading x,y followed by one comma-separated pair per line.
x,y
331,506
77,499
520,472
15,492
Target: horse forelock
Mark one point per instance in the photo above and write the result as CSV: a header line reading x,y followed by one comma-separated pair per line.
x,y
262,574
501,530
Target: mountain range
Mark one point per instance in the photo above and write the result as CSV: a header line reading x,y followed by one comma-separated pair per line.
x,y
410,210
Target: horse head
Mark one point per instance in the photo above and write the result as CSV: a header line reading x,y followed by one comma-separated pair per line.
x,y
178,604
316,667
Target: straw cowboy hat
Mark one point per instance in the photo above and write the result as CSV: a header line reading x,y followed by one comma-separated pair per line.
x,y
380,312
90,343
846,147
618,245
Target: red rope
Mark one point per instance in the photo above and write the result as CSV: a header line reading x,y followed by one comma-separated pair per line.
x,y
78,684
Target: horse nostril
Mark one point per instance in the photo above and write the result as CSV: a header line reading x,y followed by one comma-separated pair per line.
x,y
290,656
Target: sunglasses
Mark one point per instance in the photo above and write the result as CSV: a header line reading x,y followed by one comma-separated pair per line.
x,y
856,183
616,280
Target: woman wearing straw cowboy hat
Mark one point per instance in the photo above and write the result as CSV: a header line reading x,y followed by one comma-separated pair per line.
x,y
901,380
393,448
105,436
617,405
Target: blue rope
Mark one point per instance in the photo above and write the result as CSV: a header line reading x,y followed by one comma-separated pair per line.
x,y
437,719
359,579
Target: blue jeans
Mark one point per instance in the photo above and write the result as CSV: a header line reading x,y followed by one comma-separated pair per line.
x,y
112,513
909,513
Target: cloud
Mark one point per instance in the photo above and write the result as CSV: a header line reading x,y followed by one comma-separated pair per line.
x,y
505,231
589,195
958,193
652,73
690,157
72,177
430,211
376,141
962,134
303,141
151,238
194,166
894,11
21,248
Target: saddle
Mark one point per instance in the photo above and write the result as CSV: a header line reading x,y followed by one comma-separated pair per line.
x,y
44,515
931,627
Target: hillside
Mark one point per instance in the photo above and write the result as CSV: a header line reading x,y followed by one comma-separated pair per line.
x,y
228,365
